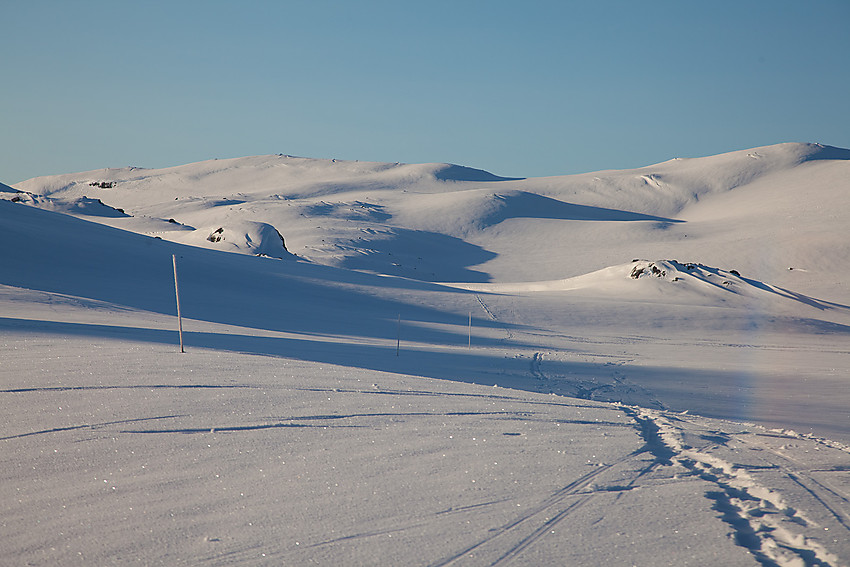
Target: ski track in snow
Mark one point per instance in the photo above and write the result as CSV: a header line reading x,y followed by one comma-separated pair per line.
x,y
508,333
831,499
618,389
552,510
761,519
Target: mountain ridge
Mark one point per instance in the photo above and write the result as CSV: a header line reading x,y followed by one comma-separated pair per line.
x,y
443,222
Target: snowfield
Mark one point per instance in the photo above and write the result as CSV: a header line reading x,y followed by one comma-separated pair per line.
x,y
394,364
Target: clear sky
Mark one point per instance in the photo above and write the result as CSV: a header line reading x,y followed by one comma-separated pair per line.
x,y
521,89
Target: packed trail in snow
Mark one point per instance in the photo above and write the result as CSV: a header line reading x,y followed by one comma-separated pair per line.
x,y
429,364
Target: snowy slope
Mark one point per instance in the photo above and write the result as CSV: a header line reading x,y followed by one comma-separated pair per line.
x,y
763,230
446,223
335,415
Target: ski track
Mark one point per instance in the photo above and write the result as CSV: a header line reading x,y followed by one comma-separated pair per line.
x,y
553,503
831,499
761,520
91,426
509,334
619,387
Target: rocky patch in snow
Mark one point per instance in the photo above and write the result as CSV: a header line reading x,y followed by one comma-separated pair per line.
x,y
673,270
82,206
711,281
256,238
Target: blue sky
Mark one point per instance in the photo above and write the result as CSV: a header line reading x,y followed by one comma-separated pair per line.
x,y
517,88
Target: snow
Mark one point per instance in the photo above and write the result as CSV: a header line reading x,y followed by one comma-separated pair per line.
x,y
654,374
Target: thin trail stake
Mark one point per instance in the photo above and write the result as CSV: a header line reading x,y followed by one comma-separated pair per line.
x,y
470,330
398,335
177,294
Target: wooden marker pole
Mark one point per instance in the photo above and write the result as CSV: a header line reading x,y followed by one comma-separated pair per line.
x,y
398,335
470,330
177,294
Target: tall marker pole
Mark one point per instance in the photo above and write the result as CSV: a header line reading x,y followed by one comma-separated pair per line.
x,y
177,294
470,330
398,335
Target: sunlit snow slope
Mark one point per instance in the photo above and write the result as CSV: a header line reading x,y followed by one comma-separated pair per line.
x,y
759,211
744,248
346,324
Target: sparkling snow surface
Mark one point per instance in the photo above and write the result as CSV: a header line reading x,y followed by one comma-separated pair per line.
x,y
392,364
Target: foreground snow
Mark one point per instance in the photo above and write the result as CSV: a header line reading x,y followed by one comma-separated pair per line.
x,y
332,416
121,451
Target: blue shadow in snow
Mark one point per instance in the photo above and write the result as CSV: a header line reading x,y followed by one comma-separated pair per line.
x,y
725,394
462,173
523,204
421,255
467,365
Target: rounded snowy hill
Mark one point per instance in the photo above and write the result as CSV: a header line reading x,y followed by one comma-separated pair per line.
x,y
762,210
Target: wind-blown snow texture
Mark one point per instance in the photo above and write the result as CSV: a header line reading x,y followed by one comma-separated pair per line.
x,y
428,364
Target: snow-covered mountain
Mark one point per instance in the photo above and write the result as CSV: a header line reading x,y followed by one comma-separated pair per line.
x,y
357,331
437,222
750,242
